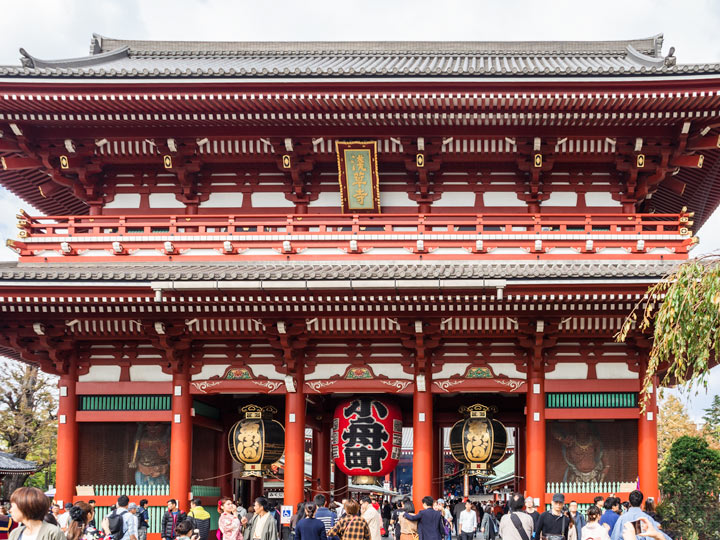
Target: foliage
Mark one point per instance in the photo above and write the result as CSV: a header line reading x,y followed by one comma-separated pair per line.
x,y
711,429
673,422
683,311
690,482
28,423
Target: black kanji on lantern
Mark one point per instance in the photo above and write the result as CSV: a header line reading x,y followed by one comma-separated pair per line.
x,y
363,408
365,436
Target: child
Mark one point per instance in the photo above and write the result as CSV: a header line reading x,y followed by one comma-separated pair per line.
x,y
184,530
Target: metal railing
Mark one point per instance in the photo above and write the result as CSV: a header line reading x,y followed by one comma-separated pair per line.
x,y
333,236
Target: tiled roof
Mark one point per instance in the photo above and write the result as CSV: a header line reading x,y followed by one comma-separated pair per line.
x,y
290,271
9,464
181,59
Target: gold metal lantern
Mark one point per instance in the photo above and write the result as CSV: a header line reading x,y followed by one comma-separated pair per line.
x,y
257,441
478,441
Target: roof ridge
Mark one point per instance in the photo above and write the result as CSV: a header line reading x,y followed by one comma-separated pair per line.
x,y
650,46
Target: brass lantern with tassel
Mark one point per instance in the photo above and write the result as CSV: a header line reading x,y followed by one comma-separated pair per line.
x,y
258,440
478,441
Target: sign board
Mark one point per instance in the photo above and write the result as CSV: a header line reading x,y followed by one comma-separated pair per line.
x,y
285,514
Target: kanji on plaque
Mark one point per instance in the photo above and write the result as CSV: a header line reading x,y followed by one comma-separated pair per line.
x,y
366,439
358,176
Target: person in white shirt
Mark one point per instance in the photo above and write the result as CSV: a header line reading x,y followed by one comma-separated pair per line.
x,y
467,522
64,519
593,530
372,517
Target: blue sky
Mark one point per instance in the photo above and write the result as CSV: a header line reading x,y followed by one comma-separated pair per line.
x,y
62,29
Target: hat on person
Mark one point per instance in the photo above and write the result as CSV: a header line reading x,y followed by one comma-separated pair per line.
x,y
441,501
530,502
132,506
559,498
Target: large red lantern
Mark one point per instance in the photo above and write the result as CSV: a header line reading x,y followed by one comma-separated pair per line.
x,y
366,439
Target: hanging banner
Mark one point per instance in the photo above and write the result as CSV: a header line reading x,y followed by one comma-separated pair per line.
x,y
358,176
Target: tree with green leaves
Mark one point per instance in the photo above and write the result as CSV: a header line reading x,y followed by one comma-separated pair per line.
x,y
711,429
28,421
682,311
690,483
673,422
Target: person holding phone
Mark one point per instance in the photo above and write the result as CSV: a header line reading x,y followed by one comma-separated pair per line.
x,y
642,527
634,513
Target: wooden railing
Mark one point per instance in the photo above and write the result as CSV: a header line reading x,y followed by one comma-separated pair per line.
x,y
589,487
341,237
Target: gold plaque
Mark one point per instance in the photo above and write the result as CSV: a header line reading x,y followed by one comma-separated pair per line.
x,y
640,161
286,161
420,160
167,162
64,162
538,160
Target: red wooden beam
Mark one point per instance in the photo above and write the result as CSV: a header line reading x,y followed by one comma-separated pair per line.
x,y
592,414
694,161
10,163
595,385
122,416
709,142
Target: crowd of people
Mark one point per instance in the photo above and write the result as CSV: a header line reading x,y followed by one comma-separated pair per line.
x,y
33,517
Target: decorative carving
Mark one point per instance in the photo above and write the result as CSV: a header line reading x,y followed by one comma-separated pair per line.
x,y
270,385
512,383
202,386
237,374
355,373
397,383
447,383
315,386
479,372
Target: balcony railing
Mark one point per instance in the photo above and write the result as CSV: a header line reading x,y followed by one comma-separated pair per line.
x,y
343,237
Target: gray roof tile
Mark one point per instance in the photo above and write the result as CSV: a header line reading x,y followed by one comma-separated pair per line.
x,y
10,464
181,59
178,271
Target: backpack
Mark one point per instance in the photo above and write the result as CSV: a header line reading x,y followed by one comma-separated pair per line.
x,y
116,524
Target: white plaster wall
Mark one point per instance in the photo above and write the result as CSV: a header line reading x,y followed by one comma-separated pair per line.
x,y
569,370
395,198
502,198
101,374
223,200
164,200
614,370
270,200
448,370
457,198
327,199
601,198
391,371
149,374
561,198
265,370
508,370
210,371
325,371
125,200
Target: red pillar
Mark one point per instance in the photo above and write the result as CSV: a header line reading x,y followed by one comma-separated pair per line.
x,y
181,440
295,444
340,485
322,455
224,464
423,444
67,437
647,448
535,433
437,482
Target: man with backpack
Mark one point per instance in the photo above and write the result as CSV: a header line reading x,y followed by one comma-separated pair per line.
x,y
200,518
170,519
143,518
121,523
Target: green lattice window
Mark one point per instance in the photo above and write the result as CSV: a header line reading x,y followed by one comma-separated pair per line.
x,y
591,400
208,411
125,403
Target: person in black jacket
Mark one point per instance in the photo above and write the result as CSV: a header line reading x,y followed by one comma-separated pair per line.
x,y
430,521
170,519
200,518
